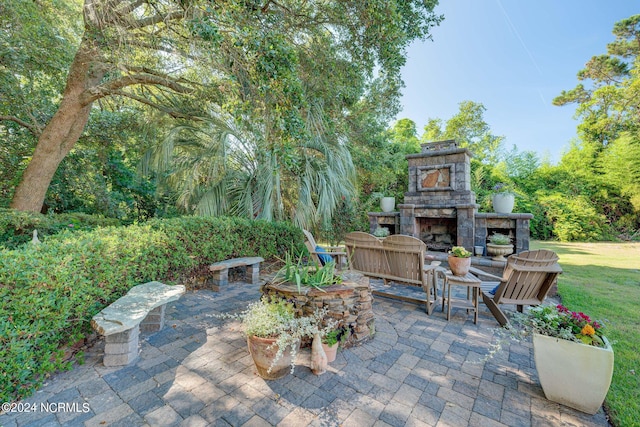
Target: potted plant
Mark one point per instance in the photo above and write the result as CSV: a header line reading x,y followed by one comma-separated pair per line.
x,y
503,199
499,245
573,358
274,334
459,260
381,232
330,342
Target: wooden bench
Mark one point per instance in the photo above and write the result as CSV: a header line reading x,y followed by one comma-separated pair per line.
x,y
220,270
399,259
142,308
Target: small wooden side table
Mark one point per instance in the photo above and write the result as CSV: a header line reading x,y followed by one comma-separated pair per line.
x,y
473,289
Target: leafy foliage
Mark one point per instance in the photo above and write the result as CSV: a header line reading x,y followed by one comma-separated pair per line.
x,y
469,129
460,252
273,317
288,73
51,291
315,276
16,228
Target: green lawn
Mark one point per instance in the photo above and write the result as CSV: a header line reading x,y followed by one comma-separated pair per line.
x,y
603,281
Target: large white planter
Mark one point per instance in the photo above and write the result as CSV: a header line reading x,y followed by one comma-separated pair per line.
x,y
503,203
388,204
573,374
499,251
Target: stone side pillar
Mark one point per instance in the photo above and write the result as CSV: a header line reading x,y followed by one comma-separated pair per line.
x,y
391,220
253,273
522,234
480,234
154,320
220,278
122,348
408,220
466,226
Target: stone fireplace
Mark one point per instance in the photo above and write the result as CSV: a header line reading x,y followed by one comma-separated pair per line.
x,y
439,207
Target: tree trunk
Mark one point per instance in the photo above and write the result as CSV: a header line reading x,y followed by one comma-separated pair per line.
x,y
63,130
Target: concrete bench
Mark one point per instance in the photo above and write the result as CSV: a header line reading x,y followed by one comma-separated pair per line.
x,y
142,308
220,270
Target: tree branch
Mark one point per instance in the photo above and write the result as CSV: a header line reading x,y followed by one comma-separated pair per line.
x,y
145,77
156,19
31,127
173,113
131,6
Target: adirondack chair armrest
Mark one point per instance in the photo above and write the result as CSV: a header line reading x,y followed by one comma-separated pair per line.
x,y
479,272
555,268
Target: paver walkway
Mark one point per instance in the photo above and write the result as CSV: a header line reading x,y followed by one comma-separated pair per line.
x,y
419,370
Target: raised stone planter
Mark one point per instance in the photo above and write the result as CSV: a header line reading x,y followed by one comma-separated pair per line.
x,y
350,303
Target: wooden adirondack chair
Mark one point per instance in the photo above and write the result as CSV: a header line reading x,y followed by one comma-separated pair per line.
x,y
526,280
333,251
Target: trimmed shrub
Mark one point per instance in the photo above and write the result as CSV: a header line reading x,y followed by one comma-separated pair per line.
x,y
50,291
16,227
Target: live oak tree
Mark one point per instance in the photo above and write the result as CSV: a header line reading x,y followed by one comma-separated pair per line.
x,y
185,57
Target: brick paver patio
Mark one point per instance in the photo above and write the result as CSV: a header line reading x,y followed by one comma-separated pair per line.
x,y
419,370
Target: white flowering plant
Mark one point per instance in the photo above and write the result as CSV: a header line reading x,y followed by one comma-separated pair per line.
x,y
273,317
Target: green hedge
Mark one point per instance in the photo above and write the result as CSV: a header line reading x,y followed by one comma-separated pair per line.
x,y
16,227
50,291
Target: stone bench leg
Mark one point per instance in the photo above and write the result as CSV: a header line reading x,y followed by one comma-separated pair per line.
x,y
154,320
253,272
122,348
220,277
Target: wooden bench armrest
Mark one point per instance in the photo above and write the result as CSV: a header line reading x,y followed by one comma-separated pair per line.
x,y
333,253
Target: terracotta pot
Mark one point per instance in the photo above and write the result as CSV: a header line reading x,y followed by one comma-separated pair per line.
x,y
499,251
263,357
331,352
573,374
459,266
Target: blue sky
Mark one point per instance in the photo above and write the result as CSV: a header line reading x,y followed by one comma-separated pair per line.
x,y
514,57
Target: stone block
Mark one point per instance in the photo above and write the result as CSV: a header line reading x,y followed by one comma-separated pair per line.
x,y
119,359
220,277
121,348
253,273
123,337
155,316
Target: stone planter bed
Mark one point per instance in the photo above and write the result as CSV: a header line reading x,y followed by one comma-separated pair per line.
x,y
350,303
